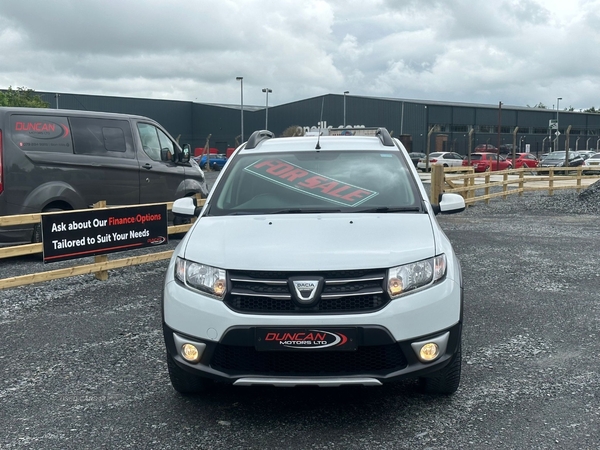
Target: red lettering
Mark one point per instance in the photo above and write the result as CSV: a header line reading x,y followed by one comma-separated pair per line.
x,y
271,337
312,182
336,192
266,162
35,126
326,187
357,194
280,169
293,174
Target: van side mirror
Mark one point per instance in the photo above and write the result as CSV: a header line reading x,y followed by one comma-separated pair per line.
x,y
186,152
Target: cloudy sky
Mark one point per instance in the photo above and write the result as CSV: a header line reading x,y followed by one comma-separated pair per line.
x,y
520,52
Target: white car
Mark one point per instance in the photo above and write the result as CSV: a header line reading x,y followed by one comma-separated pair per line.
x,y
592,164
447,159
333,271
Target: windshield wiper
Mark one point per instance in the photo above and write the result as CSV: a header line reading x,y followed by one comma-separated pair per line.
x,y
304,211
386,209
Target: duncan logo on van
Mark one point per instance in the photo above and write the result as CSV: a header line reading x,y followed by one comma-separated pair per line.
x,y
42,130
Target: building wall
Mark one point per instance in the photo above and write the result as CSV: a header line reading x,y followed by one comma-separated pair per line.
x,y
194,122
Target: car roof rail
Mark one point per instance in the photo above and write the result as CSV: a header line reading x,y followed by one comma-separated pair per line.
x,y
257,137
384,136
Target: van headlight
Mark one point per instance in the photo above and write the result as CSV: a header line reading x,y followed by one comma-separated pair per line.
x,y
402,279
205,278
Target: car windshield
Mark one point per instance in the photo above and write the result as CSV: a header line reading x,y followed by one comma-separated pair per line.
x,y
316,182
556,155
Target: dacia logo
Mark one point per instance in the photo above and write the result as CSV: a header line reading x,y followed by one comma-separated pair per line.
x,y
305,291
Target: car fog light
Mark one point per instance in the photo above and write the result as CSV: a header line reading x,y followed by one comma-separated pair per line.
x,y
190,353
395,286
429,351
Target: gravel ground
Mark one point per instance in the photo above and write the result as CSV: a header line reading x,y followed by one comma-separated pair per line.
x,y
82,361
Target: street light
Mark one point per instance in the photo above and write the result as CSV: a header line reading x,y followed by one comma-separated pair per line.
x,y
241,80
266,91
345,93
557,132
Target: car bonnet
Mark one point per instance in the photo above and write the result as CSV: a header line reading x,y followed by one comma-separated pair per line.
x,y
305,242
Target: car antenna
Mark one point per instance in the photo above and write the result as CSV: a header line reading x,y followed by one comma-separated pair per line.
x,y
318,147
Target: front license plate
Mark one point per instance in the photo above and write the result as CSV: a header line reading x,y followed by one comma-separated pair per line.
x,y
303,339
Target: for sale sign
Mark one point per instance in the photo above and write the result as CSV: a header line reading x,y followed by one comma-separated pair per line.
x,y
71,235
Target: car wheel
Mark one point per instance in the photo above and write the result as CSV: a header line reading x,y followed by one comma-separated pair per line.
x,y
184,382
445,381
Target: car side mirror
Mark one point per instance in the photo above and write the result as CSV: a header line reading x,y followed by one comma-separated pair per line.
x,y
186,207
186,152
449,204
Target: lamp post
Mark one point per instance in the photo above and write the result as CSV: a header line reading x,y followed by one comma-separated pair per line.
x,y
241,80
345,93
266,91
557,132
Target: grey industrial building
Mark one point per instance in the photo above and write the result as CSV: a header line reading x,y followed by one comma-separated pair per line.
x,y
449,125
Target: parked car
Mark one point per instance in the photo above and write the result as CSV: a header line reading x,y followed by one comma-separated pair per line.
x,y
447,159
557,159
585,154
482,162
291,298
416,156
485,148
593,162
216,161
523,160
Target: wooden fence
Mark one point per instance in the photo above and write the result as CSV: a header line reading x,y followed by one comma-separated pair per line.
x,y
484,186
99,267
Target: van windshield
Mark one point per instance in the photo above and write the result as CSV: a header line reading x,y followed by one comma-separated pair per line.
x,y
313,181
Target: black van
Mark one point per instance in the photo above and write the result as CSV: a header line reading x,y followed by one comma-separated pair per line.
x,y
52,160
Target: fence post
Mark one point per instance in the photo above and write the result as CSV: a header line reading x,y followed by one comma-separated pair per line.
x,y
551,182
437,183
521,181
487,187
101,275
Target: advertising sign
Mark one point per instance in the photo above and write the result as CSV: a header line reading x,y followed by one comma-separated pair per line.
x,y
310,183
71,235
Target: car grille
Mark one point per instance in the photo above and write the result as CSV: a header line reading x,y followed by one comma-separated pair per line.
x,y
368,359
355,291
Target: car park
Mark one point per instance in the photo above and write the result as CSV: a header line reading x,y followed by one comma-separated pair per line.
x,y
56,160
416,156
526,160
334,272
447,159
483,162
216,161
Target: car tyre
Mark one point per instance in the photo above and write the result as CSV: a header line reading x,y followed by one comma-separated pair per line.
x,y
445,381
184,382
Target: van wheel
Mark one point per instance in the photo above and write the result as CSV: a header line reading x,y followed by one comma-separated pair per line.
x,y
36,236
447,380
183,382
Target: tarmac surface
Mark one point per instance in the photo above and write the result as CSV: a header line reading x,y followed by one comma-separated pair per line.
x,y
83,364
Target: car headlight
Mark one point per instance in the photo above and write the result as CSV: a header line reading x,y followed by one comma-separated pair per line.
x,y
205,278
402,279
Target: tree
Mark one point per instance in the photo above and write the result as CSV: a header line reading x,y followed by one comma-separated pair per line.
x,y
293,130
21,97
539,105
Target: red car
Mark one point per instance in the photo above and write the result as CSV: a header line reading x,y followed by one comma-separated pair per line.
x,y
523,160
485,148
482,162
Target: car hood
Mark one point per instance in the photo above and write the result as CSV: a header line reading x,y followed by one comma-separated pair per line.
x,y
310,242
